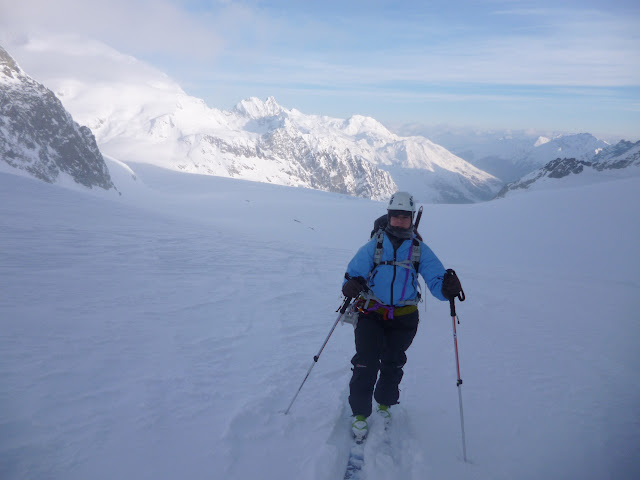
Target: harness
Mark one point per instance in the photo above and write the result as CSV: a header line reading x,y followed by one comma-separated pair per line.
x,y
369,302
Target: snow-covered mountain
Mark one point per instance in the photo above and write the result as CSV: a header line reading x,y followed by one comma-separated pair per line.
x,y
263,141
623,154
615,161
39,136
510,154
580,146
140,115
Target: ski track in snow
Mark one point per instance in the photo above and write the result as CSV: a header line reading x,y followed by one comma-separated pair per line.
x,y
138,344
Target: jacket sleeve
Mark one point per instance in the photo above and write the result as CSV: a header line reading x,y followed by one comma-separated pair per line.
x,y
432,271
362,263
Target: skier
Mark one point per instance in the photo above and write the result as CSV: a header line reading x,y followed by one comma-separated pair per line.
x,y
383,277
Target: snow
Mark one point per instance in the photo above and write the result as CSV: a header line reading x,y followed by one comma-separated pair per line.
x,y
160,334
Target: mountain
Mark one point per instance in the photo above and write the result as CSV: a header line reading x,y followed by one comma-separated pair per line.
x,y
581,146
623,154
620,160
140,115
509,154
39,136
263,141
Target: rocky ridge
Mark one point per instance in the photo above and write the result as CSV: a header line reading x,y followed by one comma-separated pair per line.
x,y
620,156
39,136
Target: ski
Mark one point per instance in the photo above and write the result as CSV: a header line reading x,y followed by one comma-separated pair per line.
x,y
387,447
356,461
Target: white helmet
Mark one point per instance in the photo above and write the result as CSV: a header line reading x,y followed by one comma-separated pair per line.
x,y
402,201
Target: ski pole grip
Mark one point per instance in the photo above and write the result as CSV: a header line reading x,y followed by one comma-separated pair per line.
x,y
345,304
452,305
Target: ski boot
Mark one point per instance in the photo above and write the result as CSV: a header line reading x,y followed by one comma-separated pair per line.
x,y
385,414
360,428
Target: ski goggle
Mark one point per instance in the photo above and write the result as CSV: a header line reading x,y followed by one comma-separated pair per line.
x,y
400,213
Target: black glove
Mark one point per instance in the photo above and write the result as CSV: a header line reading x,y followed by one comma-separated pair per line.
x,y
451,287
353,287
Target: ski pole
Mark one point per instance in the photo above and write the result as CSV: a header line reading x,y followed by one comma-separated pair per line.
x,y
454,317
342,309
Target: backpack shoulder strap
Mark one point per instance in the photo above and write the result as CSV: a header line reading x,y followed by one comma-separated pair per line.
x,y
377,255
415,254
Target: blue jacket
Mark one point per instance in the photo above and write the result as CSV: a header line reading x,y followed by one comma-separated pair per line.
x,y
388,281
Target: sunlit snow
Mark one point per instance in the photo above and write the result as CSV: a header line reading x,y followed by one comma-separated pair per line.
x,y
161,334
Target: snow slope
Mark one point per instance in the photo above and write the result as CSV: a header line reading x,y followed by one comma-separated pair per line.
x,y
161,334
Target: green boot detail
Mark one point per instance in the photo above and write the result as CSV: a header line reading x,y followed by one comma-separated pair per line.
x,y
383,411
360,427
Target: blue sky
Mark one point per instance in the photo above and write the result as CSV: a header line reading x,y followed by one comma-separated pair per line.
x,y
549,65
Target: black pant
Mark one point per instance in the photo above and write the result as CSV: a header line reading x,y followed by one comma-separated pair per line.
x,y
380,346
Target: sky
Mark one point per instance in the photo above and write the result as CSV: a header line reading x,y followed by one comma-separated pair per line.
x,y
572,66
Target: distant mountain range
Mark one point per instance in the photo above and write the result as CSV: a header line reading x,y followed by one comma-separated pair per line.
x,y
38,136
607,163
509,154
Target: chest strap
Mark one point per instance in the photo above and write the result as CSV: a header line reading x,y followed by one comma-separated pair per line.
x,y
415,254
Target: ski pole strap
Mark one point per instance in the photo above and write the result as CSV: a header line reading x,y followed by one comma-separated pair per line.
x,y
461,296
452,302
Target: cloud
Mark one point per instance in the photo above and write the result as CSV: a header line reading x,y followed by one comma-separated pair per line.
x,y
288,43
548,47
133,26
